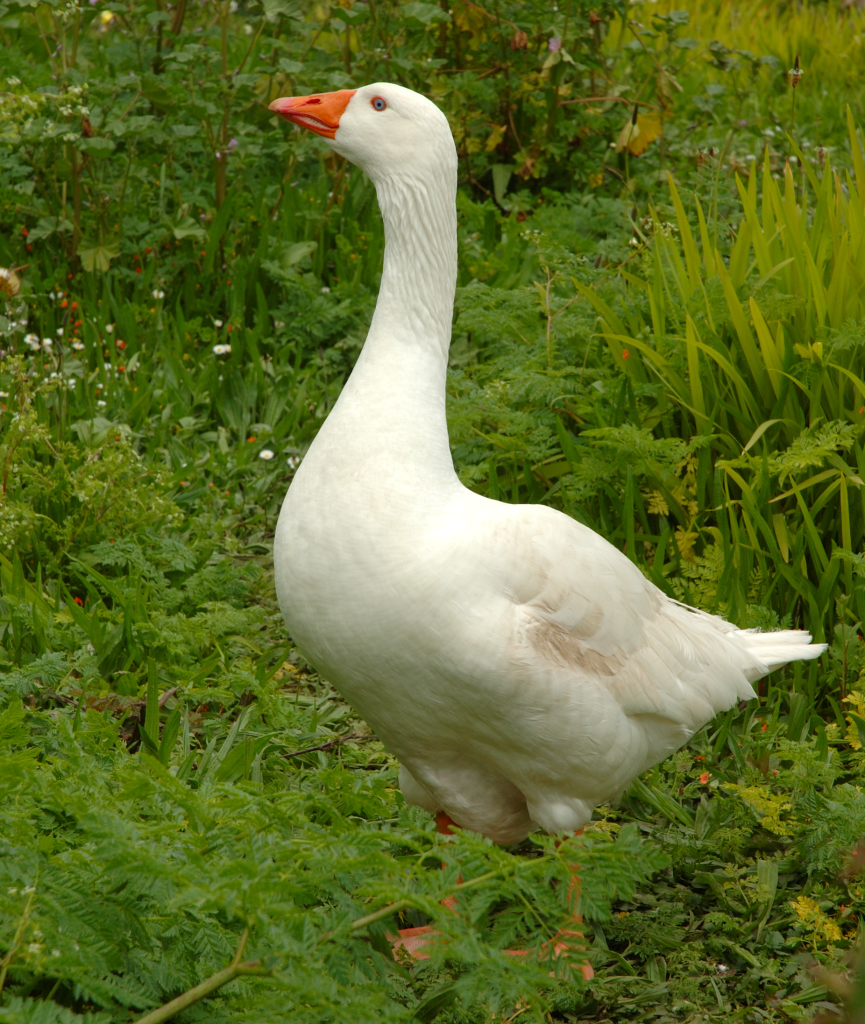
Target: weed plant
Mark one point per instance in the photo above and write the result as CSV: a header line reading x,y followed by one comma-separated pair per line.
x,y
676,361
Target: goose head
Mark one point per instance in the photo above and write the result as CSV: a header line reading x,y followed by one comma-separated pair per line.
x,y
387,130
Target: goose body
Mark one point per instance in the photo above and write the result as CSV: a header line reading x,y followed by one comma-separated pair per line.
x,y
520,667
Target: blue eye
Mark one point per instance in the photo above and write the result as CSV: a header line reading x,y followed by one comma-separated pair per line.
x,y
378,103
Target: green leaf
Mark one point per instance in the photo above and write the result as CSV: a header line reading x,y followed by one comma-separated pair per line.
x,y
97,257
424,14
98,146
188,228
275,9
859,722
501,176
436,1003
297,252
169,736
47,226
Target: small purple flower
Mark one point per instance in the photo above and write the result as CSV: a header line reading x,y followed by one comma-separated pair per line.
x,y
743,124
554,44
232,144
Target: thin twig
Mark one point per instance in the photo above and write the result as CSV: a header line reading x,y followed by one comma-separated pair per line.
x,y
131,105
166,696
607,99
332,743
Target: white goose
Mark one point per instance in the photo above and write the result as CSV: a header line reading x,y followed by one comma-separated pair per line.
x,y
520,667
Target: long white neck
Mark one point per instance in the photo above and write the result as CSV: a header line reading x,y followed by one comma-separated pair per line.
x,y
392,409
415,303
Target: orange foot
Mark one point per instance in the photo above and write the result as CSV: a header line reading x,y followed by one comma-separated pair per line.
x,y
413,940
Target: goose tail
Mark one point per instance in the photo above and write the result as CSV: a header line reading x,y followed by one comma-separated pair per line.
x,y
779,647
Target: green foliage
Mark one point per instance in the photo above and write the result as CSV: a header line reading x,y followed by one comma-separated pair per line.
x,y
127,877
676,362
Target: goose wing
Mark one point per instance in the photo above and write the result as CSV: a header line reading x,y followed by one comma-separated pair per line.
x,y
585,607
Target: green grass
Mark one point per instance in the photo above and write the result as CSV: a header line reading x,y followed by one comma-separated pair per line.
x,y
675,361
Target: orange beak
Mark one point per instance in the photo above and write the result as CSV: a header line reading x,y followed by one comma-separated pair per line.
x,y
320,113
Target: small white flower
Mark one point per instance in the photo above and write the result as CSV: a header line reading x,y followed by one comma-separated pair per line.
x,y
60,331
13,81
101,404
158,293
217,323
4,394
55,952
13,891
221,350
78,346
47,343
247,28
325,290
278,323
293,461
265,454
109,328
32,340
34,948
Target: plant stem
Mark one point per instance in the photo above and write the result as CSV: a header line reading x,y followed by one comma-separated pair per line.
x,y
234,970
395,908
17,940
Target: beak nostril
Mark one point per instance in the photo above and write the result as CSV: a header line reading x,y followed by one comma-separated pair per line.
x,y
328,108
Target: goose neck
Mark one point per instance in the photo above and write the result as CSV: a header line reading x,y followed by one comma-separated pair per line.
x,y
416,298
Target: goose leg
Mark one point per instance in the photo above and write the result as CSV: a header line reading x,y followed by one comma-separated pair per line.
x,y
567,939
412,940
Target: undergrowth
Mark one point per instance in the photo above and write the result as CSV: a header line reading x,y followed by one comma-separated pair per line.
x,y
674,361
